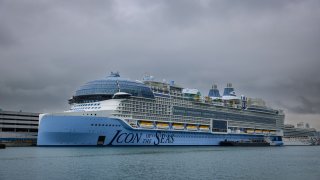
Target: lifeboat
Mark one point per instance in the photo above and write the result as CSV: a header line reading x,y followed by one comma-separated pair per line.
x,y
250,131
146,124
265,131
272,131
162,125
192,127
204,128
258,131
178,126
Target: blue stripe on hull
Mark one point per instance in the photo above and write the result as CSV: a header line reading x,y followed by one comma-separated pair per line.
x,y
86,130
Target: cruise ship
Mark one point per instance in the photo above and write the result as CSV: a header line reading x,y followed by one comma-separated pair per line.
x,y
302,135
116,111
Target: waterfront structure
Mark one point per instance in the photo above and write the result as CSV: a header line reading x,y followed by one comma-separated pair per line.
x,y
118,111
18,128
302,135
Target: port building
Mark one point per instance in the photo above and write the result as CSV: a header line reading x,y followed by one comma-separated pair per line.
x,y
18,128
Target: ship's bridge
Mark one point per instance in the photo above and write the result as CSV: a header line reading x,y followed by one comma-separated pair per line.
x,y
104,89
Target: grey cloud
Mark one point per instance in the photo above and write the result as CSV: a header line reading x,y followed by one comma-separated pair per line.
x,y
267,49
306,106
6,39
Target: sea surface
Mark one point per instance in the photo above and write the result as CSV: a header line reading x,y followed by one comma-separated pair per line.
x,y
296,162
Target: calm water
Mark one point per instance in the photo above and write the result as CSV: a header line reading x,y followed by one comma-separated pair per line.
x,y
160,163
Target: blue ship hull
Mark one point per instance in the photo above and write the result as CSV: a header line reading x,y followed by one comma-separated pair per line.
x,y
92,131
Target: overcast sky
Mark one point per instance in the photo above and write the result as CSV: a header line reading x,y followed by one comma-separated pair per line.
x,y
268,49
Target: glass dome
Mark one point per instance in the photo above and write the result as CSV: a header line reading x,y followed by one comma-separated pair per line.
x,y
106,88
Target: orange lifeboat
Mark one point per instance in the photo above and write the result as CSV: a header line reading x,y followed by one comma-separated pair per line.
x,y
146,124
178,126
204,128
192,127
162,125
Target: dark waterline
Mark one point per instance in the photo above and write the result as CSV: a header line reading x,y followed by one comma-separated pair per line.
x,y
299,162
